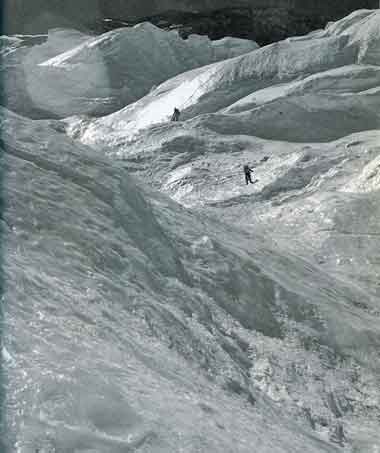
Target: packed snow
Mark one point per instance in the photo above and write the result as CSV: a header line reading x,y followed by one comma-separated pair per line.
x,y
72,73
154,302
276,87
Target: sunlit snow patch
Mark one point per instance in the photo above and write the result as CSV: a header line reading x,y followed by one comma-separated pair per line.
x,y
316,89
101,74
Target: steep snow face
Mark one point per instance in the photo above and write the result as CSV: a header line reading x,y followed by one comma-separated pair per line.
x,y
72,73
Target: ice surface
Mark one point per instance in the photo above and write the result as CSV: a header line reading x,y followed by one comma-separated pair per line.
x,y
299,99
72,73
315,79
154,302
142,341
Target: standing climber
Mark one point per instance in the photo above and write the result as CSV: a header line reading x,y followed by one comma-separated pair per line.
x,y
176,114
247,173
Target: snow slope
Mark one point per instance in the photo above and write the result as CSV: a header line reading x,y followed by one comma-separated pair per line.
x,y
246,319
317,79
72,73
296,104
146,341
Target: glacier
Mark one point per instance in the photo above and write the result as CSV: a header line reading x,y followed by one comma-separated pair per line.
x,y
73,73
152,302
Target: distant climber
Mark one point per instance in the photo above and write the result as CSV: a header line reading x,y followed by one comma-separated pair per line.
x,y
176,114
247,173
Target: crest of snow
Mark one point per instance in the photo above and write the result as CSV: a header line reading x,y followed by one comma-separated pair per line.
x,y
59,40
265,91
118,67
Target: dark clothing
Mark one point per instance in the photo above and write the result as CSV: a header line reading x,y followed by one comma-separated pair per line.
x,y
248,178
247,173
175,116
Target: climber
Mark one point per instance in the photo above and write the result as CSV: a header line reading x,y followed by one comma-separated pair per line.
x,y
176,114
247,173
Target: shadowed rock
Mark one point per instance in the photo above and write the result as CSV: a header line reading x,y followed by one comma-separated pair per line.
x,y
263,21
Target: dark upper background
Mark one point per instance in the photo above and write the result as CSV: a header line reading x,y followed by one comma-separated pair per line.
x,y
262,20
